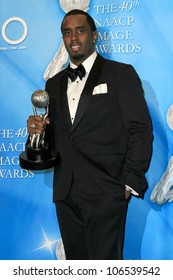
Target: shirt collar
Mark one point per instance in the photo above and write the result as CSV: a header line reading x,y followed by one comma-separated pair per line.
x,y
88,63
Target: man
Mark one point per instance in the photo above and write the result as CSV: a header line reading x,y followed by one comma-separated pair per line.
x,y
100,125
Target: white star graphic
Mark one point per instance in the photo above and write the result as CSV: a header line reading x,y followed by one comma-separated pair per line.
x,y
48,244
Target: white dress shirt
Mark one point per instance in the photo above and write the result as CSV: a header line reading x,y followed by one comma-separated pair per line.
x,y
74,89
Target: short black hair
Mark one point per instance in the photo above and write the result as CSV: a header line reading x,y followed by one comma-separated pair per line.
x,y
90,20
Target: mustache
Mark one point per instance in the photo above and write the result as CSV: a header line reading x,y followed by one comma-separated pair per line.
x,y
75,44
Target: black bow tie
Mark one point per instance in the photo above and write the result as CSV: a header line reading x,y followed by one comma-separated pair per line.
x,y
74,73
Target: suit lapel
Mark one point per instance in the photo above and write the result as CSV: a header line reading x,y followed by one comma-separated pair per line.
x,y
87,91
64,101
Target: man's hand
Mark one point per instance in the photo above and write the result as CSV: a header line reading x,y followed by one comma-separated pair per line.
x,y
36,124
127,193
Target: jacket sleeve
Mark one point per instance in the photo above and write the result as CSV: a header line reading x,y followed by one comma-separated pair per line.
x,y
139,126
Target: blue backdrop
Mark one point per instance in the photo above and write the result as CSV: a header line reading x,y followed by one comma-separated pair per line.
x,y
136,32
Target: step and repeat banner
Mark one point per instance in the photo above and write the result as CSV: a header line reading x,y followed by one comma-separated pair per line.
x,y
137,32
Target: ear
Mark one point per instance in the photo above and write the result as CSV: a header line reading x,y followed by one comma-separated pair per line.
x,y
95,36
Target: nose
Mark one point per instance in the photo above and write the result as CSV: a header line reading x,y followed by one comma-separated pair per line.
x,y
74,36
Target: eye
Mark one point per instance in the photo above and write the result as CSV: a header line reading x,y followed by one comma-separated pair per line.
x,y
81,30
67,33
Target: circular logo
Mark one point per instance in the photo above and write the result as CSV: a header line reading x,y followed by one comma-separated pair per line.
x,y
8,21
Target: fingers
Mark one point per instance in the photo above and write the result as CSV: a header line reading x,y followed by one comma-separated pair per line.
x,y
47,121
127,194
35,124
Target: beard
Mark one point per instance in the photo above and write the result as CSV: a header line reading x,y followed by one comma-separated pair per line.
x,y
78,56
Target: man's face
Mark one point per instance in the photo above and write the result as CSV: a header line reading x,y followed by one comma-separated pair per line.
x,y
78,38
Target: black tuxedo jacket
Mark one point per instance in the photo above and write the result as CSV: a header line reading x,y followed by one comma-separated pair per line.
x,y
110,142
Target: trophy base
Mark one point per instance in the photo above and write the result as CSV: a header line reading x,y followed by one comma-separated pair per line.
x,y
38,159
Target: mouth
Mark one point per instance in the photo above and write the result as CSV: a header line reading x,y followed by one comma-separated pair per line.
x,y
75,47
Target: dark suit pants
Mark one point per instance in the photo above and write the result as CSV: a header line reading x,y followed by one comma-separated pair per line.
x,y
92,226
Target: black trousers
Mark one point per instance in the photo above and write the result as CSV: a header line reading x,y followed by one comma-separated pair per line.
x,y
92,227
